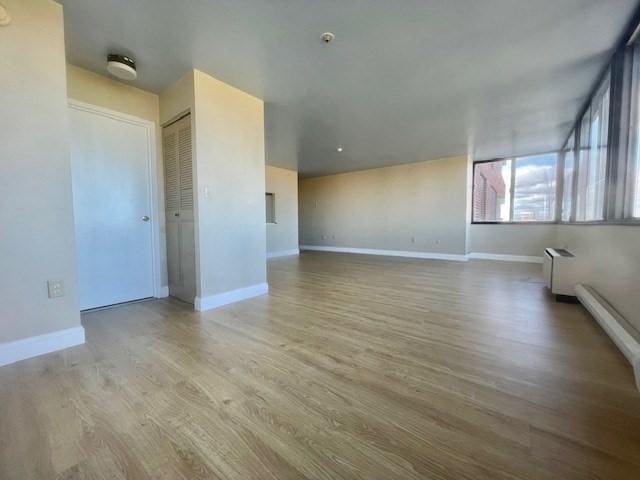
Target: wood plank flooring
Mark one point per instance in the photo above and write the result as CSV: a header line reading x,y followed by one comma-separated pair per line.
x,y
353,367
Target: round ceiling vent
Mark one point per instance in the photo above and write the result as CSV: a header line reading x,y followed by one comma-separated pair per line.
x,y
121,67
5,16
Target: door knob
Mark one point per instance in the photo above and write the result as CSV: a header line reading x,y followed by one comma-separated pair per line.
x,y
145,218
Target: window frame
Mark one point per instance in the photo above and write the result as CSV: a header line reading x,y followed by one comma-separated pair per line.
x,y
619,69
512,191
618,174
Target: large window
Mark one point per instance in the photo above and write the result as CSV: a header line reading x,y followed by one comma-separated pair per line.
x,y
569,156
592,158
522,189
631,206
491,187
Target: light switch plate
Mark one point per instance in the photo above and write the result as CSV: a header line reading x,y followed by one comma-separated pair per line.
x,y
56,288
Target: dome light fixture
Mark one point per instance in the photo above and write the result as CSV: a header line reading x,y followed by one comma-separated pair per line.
x,y
121,67
328,37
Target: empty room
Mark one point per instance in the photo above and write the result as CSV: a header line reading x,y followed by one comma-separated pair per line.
x,y
319,239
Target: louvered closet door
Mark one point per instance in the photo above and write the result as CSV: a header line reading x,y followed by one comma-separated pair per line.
x,y
178,174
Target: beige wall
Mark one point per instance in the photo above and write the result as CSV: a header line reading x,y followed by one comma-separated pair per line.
x,y
512,239
98,90
229,174
230,168
37,241
384,208
611,256
283,235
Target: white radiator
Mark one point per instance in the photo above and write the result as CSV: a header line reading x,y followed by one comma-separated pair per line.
x,y
561,272
610,321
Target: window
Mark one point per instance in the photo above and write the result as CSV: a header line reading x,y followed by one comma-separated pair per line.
x,y
567,178
631,207
491,186
534,190
592,158
270,202
532,198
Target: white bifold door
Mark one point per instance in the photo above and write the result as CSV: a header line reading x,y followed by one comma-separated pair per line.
x,y
178,180
111,163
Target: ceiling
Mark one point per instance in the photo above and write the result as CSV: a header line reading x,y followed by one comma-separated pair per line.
x,y
403,81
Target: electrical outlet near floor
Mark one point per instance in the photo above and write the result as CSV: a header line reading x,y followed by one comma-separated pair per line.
x,y
56,288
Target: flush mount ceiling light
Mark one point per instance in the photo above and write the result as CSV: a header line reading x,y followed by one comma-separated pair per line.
x,y
339,149
5,16
122,67
328,37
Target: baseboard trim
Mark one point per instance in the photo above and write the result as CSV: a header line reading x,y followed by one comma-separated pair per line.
x,y
504,258
214,301
387,253
163,292
11,352
610,321
283,253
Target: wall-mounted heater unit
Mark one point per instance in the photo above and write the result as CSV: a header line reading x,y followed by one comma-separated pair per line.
x,y
561,273
620,330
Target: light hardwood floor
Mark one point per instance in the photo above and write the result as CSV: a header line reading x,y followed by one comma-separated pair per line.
x,y
353,367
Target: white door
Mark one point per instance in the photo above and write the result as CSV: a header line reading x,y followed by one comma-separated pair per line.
x,y
178,179
112,209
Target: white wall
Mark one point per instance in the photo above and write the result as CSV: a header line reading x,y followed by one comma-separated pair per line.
x,y
36,208
611,257
98,90
419,207
512,239
282,236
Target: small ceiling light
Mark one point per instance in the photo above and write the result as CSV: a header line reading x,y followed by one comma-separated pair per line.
x,y
5,16
121,67
328,37
339,149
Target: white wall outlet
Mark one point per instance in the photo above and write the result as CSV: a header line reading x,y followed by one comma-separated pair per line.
x,y
324,237
56,288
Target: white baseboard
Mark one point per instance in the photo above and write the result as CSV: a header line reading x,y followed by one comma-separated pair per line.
x,y
387,253
163,292
608,319
283,253
214,301
504,258
11,352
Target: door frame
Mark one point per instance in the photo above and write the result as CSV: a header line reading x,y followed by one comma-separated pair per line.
x,y
159,291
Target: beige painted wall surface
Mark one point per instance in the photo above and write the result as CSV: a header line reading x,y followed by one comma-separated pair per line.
x,y
102,91
178,99
611,254
98,90
384,208
229,139
512,239
36,213
283,235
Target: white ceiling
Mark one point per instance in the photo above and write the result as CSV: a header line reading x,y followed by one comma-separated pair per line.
x,y
404,80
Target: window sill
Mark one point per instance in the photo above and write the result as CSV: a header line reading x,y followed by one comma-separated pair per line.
x,y
627,223
515,223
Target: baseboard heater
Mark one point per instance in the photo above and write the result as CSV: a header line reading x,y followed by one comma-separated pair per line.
x,y
612,323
